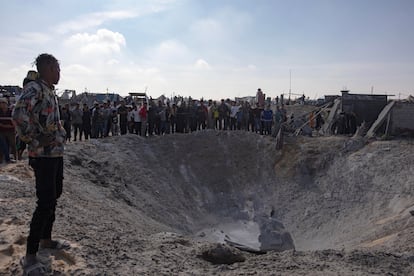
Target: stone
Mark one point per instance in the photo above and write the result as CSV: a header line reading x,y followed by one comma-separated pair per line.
x,y
222,254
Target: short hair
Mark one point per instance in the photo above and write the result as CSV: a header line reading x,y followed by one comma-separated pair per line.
x,y
44,60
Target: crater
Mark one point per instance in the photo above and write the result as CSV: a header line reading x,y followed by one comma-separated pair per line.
x,y
235,187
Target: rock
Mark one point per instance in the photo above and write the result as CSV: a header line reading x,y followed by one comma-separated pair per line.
x,y
222,254
354,144
273,236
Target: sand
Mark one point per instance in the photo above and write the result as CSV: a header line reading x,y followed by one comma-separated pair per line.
x,y
136,206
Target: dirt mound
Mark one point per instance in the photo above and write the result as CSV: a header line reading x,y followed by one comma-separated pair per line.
x,y
139,206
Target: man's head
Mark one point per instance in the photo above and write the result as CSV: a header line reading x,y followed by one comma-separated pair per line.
x,y
48,68
31,76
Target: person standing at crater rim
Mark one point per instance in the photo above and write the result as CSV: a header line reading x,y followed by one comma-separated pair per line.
x,y
38,124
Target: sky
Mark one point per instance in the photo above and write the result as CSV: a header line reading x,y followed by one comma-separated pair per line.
x,y
214,49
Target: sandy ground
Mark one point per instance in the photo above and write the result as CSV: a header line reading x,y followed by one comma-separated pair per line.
x,y
135,206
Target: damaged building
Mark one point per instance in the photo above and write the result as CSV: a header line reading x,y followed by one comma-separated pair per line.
x,y
380,116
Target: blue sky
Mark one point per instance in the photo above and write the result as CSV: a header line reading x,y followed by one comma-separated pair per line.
x,y
214,49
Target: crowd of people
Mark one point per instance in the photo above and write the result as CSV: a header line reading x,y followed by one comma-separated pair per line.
x,y
163,117
146,118
82,122
153,117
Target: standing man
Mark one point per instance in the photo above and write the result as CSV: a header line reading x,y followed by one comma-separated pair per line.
x,y
123,117
86,122
77,122
143,115
37,119
224,112
267,119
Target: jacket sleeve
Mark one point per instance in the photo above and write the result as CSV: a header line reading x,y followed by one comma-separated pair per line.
x,y
26,113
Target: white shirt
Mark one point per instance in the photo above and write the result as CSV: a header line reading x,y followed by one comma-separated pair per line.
x,y
233,111
137,118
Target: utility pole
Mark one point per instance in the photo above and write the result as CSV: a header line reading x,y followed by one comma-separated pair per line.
x,y
290,83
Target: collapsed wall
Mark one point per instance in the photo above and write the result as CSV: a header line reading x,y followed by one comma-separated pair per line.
x,y
235,186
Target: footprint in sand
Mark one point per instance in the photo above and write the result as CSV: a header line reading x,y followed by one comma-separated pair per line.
x,y
12,242
20,240
6,255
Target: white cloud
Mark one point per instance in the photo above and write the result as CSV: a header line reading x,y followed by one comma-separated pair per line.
x,y
103,42
169,51
76,69
208,30
202,64
96,77
112,61
251,68
92,20
142,7
151,71
222,27
119,10
13,75
35,37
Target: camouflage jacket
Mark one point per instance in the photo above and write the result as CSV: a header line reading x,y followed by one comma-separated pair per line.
x,y
37,119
